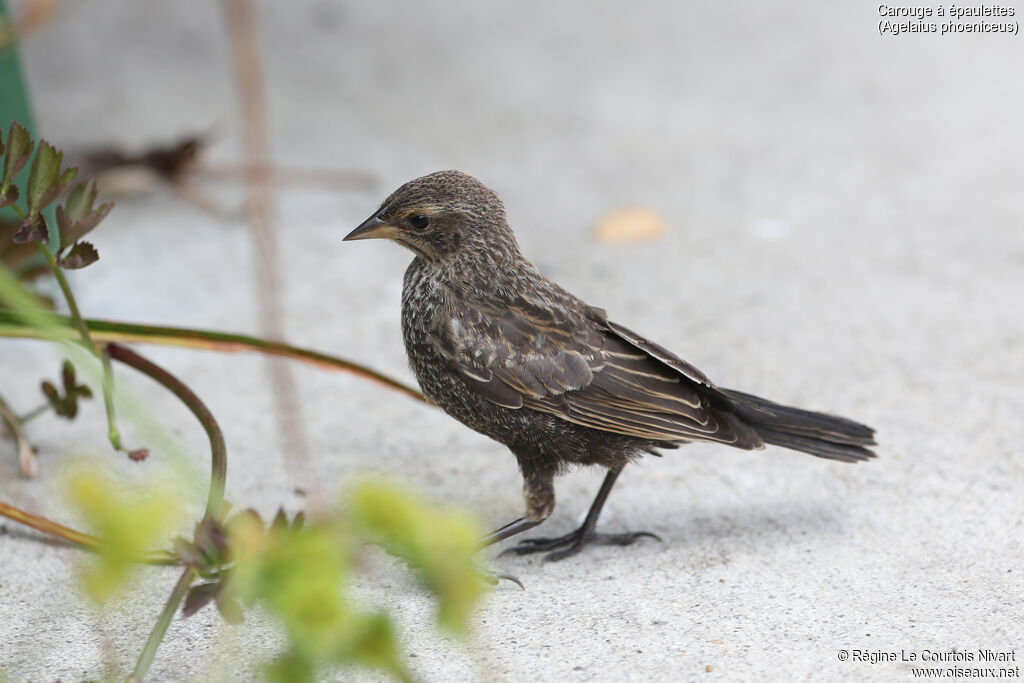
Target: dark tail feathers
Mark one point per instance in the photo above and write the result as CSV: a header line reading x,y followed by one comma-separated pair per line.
x,y
826,436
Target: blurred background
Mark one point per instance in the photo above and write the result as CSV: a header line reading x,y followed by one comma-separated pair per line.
x,y
799,205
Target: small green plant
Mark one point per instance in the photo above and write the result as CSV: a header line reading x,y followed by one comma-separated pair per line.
x,y
299,570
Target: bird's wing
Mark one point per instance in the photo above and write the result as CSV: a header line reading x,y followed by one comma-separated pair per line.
x,y
522,350
584,369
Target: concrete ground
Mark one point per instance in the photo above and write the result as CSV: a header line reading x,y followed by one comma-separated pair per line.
x,y
846,233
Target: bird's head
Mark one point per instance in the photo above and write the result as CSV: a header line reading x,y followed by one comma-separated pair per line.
x,y
441,216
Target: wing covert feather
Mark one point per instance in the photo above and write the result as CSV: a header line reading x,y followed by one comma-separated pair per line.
x,y
587,370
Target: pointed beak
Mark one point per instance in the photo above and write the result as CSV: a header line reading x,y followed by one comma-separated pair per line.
x,y
372,228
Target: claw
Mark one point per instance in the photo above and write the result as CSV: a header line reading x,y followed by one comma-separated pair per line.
x,y
493,578
509,577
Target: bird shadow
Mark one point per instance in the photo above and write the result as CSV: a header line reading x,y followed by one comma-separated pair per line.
x,y
714,538
767,524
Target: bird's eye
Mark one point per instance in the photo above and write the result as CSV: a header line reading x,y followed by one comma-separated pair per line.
x,y
418,221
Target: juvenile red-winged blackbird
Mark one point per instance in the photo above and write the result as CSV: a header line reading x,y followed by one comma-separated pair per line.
x,y
514,356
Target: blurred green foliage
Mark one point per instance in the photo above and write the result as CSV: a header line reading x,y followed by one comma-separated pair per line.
x,y
129,521
439,543
303,573
302,576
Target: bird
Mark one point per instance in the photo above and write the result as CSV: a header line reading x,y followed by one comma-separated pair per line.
x,y
514,356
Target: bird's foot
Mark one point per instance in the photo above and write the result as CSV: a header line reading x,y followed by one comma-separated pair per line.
x,y
573,542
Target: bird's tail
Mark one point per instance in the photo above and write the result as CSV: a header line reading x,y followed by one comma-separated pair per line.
x,y
826,436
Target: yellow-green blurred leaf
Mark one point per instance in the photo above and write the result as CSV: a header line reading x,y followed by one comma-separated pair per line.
x,y
290,669
299,574
128,522
302,573
439,543
374,643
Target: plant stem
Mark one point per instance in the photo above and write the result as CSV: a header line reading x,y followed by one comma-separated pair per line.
x,y
218,450
34,413
83,330
109,331
84,541
27,462
81,540
161,625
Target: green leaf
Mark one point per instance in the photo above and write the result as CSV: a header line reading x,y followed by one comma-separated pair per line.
x,y
230,609
51,394
280,521
129,522
302,573
81,255
67,374
19,148
374,643
291,668
441,545
80,200
77,217
66,405
301,576
45,180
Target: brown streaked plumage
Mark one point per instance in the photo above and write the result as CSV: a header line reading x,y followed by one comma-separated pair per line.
x,y
516,357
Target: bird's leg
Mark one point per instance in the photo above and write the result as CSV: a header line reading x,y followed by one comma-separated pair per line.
x,y
539,492
573,542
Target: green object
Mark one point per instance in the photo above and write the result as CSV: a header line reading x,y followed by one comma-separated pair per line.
x,y
14,102
15,105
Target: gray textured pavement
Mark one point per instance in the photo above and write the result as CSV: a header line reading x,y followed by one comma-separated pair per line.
x,y
846,233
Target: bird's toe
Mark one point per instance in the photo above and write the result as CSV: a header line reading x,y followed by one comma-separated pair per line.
x,y
565,546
